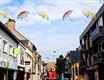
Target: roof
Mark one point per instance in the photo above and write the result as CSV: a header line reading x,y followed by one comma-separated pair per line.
x,y
9,33
101,10
75,56
21,37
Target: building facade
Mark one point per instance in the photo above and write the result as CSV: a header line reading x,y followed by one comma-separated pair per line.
x,y
68,66
92,48
21,62
8,61
43,71
38,66
28,54
31,56
75,61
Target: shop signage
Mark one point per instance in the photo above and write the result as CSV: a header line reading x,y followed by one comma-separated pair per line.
x,y
27,62
16,51
2,63
49,74
52,74
21,69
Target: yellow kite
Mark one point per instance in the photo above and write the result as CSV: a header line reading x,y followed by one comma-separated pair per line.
x,y
4,14
43,14
89,13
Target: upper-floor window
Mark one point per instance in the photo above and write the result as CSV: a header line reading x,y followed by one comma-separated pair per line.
x,y
10,50
5,46
86,44
100,21
83,41
90,41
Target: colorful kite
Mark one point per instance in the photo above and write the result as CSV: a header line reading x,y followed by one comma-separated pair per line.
x,y
22,15
4,14
89,14
66,14
44,15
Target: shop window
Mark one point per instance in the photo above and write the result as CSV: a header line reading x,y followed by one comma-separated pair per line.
x,y
5,46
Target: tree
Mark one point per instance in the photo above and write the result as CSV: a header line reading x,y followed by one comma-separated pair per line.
x,y
60,65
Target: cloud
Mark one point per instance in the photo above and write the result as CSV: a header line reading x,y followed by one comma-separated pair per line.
x,y
2,2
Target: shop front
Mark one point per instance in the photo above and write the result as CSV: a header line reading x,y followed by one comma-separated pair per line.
x,y
92,73
7,69
20,73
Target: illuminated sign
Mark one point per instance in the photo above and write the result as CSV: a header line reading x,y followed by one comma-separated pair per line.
x,y
52,74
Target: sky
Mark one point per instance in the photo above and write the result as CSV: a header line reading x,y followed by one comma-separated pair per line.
x,y
54,34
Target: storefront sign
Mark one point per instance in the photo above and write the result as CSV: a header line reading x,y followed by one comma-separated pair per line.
x,y
49,74
52,75
16,51
27,62
21,69
2,63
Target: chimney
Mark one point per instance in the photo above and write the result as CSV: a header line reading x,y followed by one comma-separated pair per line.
x,y
10,24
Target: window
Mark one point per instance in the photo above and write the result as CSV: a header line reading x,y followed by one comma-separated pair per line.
x,y
73,73
86,44
88,63
90,42
100,21
76,69
5,46
96,24
83,41
10,50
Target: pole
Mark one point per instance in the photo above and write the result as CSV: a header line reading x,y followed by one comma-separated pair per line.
x,y
7,74
7,69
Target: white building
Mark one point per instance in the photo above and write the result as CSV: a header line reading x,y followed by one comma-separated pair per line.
x,y
8,61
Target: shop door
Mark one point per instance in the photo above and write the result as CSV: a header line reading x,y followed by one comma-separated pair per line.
x,y
2,73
